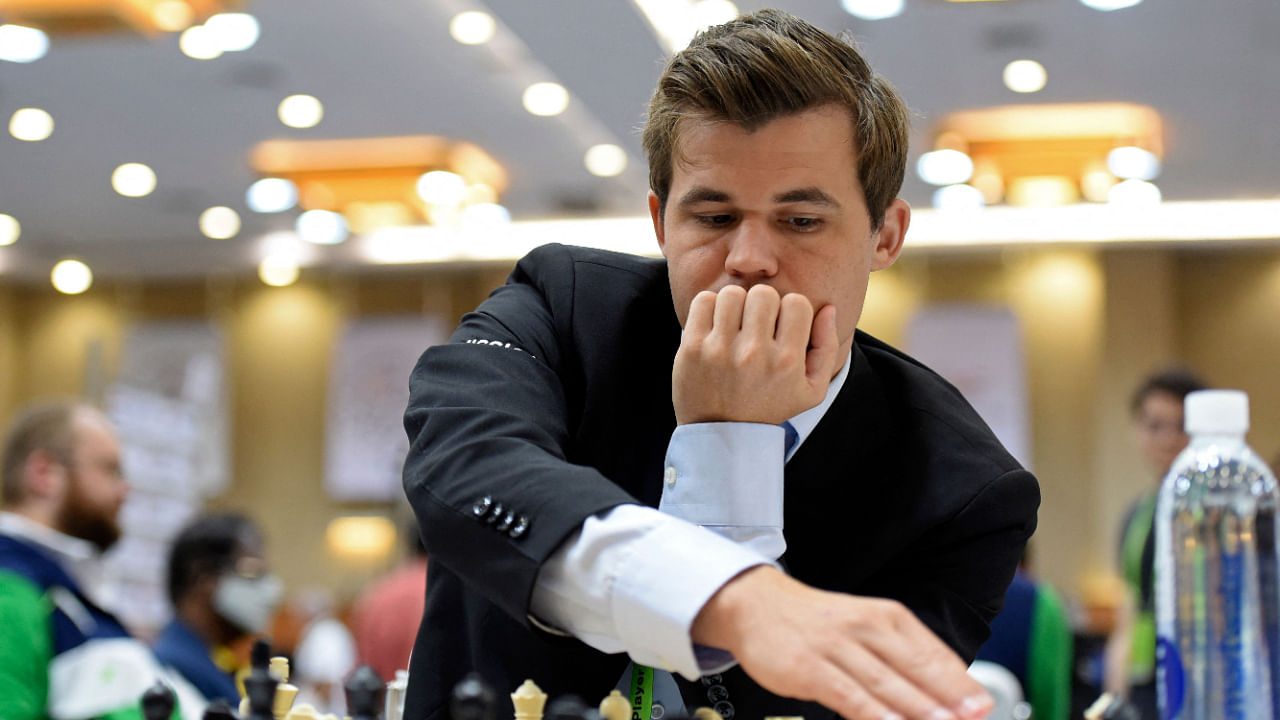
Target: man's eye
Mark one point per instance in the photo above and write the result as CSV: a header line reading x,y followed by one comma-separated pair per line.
x,y
804,223
715,220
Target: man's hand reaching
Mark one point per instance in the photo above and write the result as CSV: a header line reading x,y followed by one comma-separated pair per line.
x,y
752,356
864,658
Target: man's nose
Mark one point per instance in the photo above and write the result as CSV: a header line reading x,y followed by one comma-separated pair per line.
x,y
753,251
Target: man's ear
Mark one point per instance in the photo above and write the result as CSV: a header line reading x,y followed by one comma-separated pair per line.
x,y
45,476
892,233
655,212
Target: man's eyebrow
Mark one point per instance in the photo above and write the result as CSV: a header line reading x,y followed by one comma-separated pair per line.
x,y
806,195
701,194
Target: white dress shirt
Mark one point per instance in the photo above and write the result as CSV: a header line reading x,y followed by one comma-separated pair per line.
x,y
633,579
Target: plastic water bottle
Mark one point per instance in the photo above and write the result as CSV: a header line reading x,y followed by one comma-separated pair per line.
x,y
1217,627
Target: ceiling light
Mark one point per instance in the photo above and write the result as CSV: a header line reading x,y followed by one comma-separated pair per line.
x,y
322,227
546,98
605,160
363,537
1025,76
301,111
233,32
278,270
873,9
71,277
9,229
133,180
1133,163
270,195
958,197
484,216
472,27
31,124
1110,4
22,44
172,15
1096,183
219,223
199,43
944,167
1134,193
1042,191
441,187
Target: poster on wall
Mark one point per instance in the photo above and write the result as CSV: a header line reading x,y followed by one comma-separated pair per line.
x,y
368,391
169,405
979,350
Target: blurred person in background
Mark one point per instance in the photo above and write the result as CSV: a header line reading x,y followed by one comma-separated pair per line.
x,y
1131,650
385,617
325,652
62,654
223,595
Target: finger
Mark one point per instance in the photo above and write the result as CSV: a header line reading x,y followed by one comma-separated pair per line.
x,y
887,685
701,312
760,313
924,660
794,321
835,689
728,315
824,347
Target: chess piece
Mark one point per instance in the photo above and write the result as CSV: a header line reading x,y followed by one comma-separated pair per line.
x,y
158,701
364,693
303,711
393,705
615,707
219,709
529,701
473,700
706,713
259,685
285,693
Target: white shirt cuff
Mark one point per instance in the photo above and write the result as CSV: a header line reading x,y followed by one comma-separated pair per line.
x,y
725,475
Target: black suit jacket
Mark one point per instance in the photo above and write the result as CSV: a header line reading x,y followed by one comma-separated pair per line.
x,y
552,402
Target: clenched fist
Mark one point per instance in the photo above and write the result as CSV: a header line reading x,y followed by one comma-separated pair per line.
x,y
752,356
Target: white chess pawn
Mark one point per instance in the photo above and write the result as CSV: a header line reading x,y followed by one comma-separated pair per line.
x,y
529,701
615,707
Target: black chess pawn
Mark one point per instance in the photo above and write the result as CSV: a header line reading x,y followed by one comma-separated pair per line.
x,y
219,709
364,693
570,707
158,701
473,699
259,685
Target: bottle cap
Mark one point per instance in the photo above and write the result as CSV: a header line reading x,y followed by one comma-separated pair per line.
x,y
1216,412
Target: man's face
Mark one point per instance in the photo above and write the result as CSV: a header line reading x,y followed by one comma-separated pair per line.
x,y
95,484
780,206
1160,433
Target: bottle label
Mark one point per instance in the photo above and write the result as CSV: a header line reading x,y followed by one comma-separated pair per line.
x,y
1169,678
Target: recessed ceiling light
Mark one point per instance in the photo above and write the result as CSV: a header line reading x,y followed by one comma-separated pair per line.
x,y
1110,4
605,160
71,277
219,223
472,27
1133,163
1025,76
271,195
322,227
944,167
133,180
233,32
9,229
958,197
198,43
301,111
278,270
873,9
441,187
546,98
484,216
1134,193
22,44
172,15
31,124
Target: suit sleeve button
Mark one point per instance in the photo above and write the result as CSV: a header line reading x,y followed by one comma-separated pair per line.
x,y
481,506
506,522
520,528
494,513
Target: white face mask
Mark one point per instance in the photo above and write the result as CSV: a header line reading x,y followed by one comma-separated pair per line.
x,y
247,603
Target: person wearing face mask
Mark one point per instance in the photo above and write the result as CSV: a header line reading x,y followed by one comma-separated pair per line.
x,y
222,593
62,654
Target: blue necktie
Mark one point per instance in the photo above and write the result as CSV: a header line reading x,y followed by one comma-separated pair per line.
x,y
792,437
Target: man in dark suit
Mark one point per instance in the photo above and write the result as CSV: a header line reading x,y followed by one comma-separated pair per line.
x,y
698,464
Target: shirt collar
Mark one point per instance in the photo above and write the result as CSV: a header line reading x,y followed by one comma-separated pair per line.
x,y
805,422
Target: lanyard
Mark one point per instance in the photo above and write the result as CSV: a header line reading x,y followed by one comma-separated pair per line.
x,y
641,691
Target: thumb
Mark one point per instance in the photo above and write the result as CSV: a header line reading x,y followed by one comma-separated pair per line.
x,y
824,344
